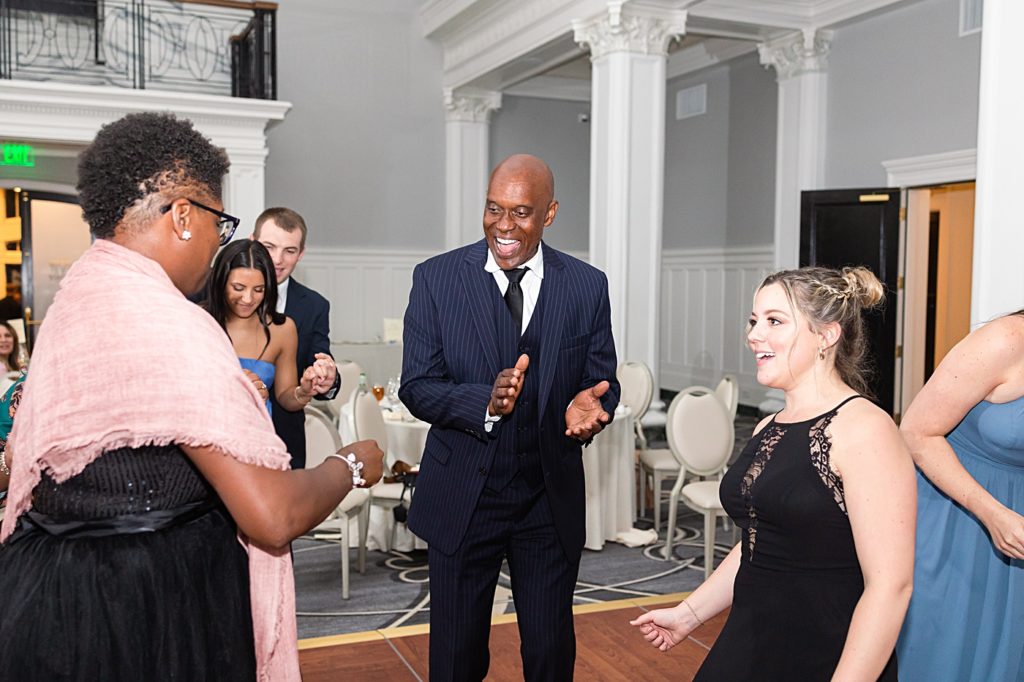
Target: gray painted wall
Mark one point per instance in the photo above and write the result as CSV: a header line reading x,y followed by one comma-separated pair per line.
x,y
752,132
552,130
361,153
697,165
900,84
720,166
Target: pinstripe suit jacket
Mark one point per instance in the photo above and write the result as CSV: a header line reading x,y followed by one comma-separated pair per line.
x,y
451,359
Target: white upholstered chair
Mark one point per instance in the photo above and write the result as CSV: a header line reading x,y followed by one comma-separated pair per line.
x,y
322,439
349,372
369,425
728,391
700,437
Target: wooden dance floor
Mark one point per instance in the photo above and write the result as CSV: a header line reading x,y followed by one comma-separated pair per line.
x,y
607,648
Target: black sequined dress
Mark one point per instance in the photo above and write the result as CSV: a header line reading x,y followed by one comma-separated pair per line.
x,y
799,579
137,574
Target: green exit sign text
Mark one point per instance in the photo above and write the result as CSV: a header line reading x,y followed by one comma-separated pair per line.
x,y
17,155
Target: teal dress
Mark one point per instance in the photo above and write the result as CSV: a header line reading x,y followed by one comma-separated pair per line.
x,y
966,616
264,370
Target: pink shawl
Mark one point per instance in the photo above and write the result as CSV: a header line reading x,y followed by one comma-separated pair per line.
x,y
125,360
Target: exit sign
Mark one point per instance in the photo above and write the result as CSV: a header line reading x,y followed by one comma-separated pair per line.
x,y
17,155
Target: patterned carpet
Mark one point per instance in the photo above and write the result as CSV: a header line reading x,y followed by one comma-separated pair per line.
x,y
393,590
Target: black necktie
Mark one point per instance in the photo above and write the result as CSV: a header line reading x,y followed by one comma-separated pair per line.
x,y
514,295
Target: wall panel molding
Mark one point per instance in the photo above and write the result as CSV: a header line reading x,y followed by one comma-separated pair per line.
x,y
705,300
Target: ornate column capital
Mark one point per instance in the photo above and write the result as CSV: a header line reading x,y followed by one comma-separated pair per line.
x,y
797,54
630,26
470,106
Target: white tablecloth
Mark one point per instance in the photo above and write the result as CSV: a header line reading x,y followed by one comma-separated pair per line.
x,y
609,466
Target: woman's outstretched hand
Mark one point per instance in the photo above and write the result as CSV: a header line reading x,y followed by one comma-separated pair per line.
x,y
664,628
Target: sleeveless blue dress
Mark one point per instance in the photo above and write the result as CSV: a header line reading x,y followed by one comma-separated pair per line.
x,y
966,617
264,370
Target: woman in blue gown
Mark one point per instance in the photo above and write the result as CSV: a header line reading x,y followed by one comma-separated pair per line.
x,y
965,430
243,299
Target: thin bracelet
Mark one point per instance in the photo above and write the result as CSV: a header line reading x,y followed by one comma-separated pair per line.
x,y
693,612
3,463
295,394
355,467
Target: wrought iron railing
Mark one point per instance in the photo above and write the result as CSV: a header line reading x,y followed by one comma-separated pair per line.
x,y
221,47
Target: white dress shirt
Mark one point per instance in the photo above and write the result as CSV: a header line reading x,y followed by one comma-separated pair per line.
x,y
282,295
530,283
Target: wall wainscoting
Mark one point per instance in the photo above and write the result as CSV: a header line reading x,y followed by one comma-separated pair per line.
x,y
364,286
705,303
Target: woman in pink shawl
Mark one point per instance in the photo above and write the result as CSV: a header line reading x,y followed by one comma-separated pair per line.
x,y
150,502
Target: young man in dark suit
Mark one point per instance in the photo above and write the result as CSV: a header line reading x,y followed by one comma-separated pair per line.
x,y
509,355
283,232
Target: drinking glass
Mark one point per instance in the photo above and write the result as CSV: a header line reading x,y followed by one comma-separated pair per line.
x,y
378,392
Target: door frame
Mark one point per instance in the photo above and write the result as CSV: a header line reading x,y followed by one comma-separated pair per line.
x,y
910,175
27,278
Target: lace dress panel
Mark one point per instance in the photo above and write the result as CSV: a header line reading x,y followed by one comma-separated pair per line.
x,y
821,446
773,434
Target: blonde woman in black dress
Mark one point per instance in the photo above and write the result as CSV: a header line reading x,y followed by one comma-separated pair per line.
x,y
824,494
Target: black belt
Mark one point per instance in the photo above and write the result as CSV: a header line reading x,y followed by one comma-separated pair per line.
x,y
125,524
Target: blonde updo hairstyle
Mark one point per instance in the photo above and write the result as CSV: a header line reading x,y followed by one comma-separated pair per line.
x,y
826,295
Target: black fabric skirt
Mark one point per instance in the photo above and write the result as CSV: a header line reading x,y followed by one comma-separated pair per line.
x,y
171,604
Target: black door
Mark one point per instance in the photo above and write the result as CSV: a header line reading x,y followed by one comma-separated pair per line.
x,y
53,236
860,227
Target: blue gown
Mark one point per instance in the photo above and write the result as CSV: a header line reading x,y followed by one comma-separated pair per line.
x,y
264,370
966,616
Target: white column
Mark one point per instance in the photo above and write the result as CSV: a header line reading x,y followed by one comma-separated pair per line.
x,y
800,63
998,286
245,187
467,162
628,46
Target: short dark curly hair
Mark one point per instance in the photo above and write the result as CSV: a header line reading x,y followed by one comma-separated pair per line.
x,y
138,155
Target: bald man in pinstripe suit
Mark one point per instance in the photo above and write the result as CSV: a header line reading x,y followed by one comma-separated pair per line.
x,y
509,355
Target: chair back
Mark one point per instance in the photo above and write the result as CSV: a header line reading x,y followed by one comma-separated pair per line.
x,y
700,433
728,391
369,420
637,387
349,372
322,437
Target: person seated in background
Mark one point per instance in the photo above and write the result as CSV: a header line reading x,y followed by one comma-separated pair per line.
x,y
150,503
243,300
9,347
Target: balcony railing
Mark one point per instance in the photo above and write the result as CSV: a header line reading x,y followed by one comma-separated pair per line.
x,y
218,47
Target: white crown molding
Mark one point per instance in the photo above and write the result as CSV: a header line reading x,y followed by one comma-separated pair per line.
x,y
553,87
793,14
704,54
627,27
64,112
932,169
797,53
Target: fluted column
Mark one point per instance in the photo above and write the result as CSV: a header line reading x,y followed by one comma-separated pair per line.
x,y
628,45
800,62
998,286
467,162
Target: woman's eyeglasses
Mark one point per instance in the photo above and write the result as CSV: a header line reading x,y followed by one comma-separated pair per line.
x,y
226,224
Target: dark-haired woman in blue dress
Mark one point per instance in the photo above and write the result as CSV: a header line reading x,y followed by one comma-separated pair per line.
x,y
243,299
